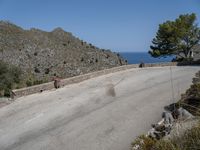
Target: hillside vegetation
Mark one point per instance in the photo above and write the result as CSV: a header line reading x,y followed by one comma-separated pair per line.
x,y
43,55
9,78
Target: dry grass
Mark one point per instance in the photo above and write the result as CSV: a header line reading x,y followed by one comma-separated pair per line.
x,y
190,140
144,143
165,145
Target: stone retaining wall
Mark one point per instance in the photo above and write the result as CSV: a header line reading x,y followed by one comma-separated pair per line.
x,y
50,85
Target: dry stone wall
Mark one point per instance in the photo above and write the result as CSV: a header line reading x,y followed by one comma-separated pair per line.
x,y
50,85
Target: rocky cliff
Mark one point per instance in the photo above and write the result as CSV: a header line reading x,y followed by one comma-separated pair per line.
x,y
42,55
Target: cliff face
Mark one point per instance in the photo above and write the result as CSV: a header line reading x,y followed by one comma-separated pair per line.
x,y
43,55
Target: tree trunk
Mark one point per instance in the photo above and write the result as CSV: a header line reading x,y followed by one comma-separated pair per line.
x,y
186,53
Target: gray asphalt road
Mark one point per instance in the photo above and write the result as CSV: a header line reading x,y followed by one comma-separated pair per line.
x,y
103,113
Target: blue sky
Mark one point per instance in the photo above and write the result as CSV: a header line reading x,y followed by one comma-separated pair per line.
x,y
120,25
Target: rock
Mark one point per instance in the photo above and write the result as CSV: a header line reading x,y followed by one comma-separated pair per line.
x,y
57,83
152,133
171,107
168,119
141,65
183,114
158,131
179,128
163,128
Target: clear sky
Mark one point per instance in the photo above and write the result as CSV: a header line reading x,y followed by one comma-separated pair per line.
x,y
120,25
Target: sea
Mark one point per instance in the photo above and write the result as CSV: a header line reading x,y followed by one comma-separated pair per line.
x,y
138,57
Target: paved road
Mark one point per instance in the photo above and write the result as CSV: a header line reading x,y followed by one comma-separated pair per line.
x,y
103,113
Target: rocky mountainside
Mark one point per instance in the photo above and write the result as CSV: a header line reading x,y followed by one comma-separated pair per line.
x,y
42,55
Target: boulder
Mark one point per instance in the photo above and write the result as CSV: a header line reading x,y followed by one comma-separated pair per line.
x,y
168,119
183,114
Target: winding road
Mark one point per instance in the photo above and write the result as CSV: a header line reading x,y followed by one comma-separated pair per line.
x,y
103,113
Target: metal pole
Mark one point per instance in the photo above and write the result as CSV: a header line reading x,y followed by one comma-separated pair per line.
x,y
172,87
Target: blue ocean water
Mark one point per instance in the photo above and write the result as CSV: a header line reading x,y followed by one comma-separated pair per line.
x,y
138,57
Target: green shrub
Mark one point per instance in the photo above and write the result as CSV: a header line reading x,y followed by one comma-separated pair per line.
x,y
191,100
10,76
36,70
36,82
33,81
29,83
47,70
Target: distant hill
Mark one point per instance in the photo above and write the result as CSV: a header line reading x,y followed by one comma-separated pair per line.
x,y
42,55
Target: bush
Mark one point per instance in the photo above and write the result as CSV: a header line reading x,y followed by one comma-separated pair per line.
x,y
29,83
165,145
36,70
189,141
145,143
36,82
33,81
191,99
10,76
35,54
82,59
47,70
